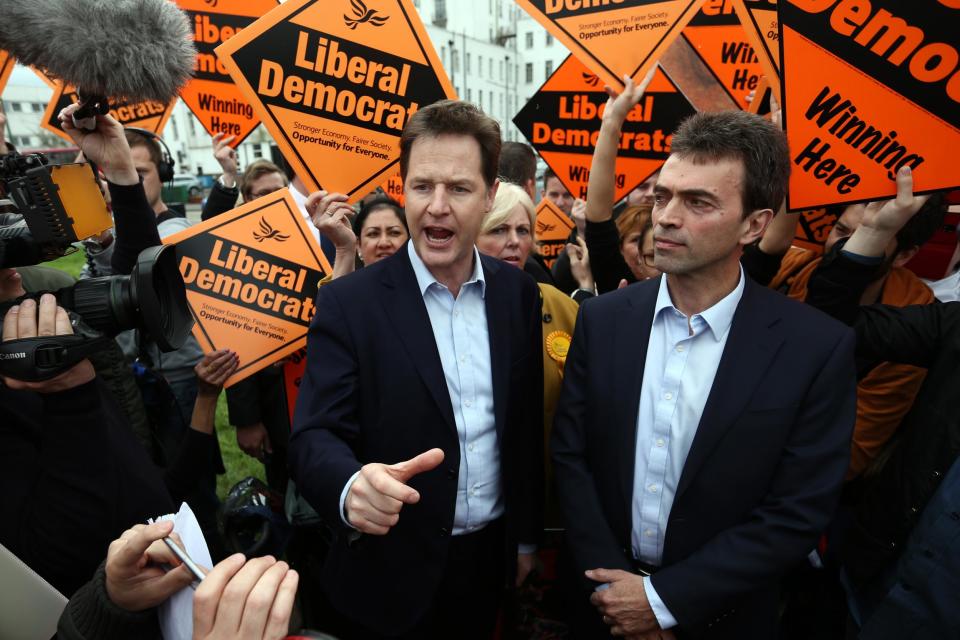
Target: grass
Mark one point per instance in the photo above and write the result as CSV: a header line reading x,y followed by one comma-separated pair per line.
x,y
238,464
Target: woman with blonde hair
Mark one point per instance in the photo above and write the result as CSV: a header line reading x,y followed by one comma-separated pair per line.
x,y
507,233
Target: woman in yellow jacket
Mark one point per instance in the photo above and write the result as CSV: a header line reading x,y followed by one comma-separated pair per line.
x,y
508,234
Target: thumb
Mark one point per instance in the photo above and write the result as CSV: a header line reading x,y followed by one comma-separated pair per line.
x,y
266,443
607,575
426,461
623,283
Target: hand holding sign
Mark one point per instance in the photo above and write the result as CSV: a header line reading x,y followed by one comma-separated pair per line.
x,y
331,215
619,105
226,157
882,220
375,498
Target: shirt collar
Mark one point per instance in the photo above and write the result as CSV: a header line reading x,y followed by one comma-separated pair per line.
x,y
719,317
425,279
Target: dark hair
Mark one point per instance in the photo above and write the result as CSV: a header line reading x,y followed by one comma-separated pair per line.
x,y
547,174
518,163
923,224
137,139
378,202
255,170
634,218
454,117
738,135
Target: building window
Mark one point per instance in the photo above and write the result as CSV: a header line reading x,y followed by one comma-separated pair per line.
x,y
548,68
529,72
257,151
549,39
16,106
468,63
480,66
490,69
37,107
528,38
469,94
500,66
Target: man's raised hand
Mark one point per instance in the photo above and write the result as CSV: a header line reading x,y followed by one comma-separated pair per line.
x,y
619,105
379,492
883,219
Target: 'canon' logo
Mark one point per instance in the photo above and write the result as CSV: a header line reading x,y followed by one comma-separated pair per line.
x,y
13,356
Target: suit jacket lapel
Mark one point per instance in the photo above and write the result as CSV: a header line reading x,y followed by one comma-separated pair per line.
x,y
751,347
403,302
498,327
632,337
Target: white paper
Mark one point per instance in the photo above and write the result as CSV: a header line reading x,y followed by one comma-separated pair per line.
x,y
176,614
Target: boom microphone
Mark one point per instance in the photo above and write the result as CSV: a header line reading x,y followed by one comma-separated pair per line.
x,y
136,50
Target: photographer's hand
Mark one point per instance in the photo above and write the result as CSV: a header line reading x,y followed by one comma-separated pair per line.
x,y
106,146
26,320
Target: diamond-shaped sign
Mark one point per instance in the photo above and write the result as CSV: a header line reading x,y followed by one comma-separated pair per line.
x,y
6,67
552,231
759,20
717,36
335,81
614,39
148,115
562,122
211,94
884,96
251,276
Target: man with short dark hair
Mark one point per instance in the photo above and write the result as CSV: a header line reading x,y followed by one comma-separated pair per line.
x,y
691,485
418,430
518,164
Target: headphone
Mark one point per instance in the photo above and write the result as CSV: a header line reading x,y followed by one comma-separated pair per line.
x,y
165,168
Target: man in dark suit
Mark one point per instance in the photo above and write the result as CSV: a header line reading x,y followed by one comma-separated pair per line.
x,y
704,425
417,431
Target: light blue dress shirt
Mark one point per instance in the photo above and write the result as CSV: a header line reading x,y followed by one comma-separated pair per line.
x,y
682,358
463,341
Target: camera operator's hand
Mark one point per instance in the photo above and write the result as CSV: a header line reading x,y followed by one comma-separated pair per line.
x,y
28,320
227,157
106,146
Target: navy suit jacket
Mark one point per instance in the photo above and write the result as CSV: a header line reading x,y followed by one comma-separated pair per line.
x,y
374,391
764,471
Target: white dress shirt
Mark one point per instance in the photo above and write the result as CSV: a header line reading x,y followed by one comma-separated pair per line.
x,y
463,341
682,358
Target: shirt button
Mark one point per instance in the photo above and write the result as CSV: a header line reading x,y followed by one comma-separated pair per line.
x,y
653,488
463,358
467,403
473,491
668,396
660,442
456,314
648,533
679,348
471,447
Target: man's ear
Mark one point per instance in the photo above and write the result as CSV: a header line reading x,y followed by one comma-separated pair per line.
x,y
491,194
905,256
754,225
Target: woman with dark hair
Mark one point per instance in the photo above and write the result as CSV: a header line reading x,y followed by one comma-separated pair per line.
x,y
381,229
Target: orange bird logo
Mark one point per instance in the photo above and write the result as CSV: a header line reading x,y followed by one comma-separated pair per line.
x,y
591,79
363,15
269,233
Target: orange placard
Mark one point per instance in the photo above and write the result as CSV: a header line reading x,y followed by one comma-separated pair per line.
x,y
814,227
212,96
6,68
717,36
393,187
885,95
251,276
562,122
335,81
614,38
148,115
759,20
553,229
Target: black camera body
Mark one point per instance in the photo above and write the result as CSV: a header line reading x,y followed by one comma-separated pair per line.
x,y
152,298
